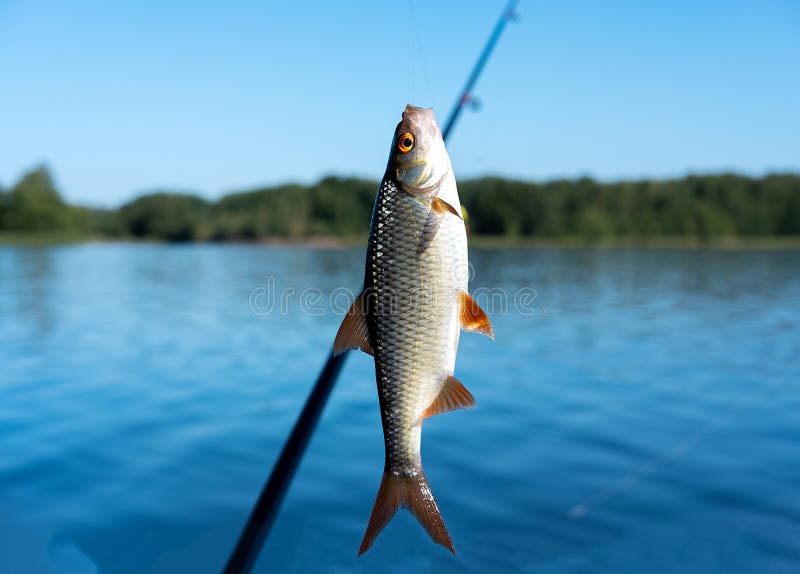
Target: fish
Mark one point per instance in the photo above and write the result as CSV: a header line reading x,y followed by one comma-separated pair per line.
x,y
411,310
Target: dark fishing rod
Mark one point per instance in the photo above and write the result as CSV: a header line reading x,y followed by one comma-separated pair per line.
x,y
269,501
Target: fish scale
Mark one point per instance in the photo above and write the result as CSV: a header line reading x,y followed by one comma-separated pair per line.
x,y
410,354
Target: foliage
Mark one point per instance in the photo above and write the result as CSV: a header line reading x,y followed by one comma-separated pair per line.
x,y
34,205
168,216
696,206
699,207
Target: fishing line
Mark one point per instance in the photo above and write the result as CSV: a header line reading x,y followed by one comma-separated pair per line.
x,y
412,54
650,467
670,454
419,47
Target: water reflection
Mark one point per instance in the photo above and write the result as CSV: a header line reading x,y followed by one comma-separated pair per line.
x,y
33,290
653,405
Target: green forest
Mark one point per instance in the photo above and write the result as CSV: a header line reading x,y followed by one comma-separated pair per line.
x,y
696,207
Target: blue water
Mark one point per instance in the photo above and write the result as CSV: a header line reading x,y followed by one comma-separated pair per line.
x,y
639,414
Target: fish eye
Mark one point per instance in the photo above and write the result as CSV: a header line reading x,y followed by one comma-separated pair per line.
x,y
405,142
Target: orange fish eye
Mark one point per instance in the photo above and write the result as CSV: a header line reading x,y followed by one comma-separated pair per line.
x,y
405,142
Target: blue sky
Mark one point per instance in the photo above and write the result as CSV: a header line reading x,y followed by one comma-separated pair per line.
x,y
215,97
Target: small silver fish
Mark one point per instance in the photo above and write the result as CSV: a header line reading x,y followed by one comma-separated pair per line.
x,y
411,311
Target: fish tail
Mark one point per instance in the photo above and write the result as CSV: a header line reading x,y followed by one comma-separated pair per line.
x,y
412,492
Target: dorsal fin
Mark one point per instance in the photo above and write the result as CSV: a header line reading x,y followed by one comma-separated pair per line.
x,y
353,332
473,318
453,396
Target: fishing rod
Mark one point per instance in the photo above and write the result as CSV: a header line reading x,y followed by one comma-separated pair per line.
x,y
269,501
508,15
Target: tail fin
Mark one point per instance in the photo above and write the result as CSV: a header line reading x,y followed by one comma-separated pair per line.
x,y
411,492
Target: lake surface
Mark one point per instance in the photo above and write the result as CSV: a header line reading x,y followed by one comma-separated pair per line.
x,y
638,412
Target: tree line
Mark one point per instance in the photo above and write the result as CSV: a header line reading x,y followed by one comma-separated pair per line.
x,y
696,206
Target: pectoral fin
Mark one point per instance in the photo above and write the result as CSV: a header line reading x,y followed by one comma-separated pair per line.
x,y
353,332
439,208
439,205
473,318
453,396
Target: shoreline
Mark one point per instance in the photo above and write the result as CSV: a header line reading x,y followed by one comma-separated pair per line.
x,y
484,242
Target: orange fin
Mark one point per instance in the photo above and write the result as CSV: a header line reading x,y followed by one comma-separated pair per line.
x,y
439,205
473,318
412,492
353,333
452,397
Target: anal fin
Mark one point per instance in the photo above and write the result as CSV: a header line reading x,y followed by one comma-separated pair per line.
x,y
453,396
353,332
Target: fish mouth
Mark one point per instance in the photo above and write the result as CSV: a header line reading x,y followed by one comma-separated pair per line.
x,y
416,113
